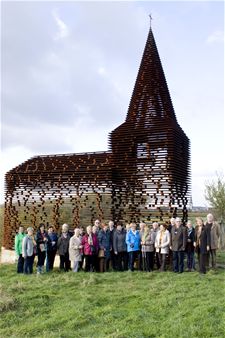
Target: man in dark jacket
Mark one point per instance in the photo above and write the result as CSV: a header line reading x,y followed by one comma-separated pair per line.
x,y
190,250
204,246
63,248
214,232
120,248
178,245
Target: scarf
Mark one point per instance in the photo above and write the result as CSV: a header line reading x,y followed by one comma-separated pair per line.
x,y
145,235
90,240
189,231
199,234
162,232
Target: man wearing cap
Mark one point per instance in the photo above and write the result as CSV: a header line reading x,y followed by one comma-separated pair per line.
x,y
63,248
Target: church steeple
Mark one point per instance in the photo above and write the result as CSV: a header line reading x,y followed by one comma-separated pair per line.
x,y
152,143
150,98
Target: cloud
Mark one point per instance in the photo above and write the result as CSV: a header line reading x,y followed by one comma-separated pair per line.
x,y
63,30
216,37
58,84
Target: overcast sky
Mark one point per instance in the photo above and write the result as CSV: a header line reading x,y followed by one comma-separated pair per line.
x,y
68,71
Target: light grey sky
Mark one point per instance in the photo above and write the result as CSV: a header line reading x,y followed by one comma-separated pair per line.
x,y
69,68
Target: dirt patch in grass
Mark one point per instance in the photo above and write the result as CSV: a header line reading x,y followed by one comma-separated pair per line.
x,y
7,302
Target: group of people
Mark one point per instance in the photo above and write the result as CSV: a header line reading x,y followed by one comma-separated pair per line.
x,y
106,246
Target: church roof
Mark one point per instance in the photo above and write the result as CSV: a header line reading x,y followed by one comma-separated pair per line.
x,y
96,165
151,98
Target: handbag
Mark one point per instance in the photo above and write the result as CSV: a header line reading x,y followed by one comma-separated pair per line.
x,y
93,249
101,253
42,247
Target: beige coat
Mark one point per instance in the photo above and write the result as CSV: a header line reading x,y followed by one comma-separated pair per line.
x,y
164,244
214,236
74,251
149,241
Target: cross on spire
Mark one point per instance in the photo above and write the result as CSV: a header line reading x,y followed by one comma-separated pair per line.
x,y
150,17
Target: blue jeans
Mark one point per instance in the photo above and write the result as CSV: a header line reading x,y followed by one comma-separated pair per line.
x,y
50,258
178,261
28,264
190,260
132,256
75,266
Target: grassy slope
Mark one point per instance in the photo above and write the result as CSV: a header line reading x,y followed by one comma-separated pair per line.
x,y
112,304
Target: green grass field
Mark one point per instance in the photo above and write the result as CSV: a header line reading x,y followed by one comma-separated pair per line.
x,y
112,304
125,305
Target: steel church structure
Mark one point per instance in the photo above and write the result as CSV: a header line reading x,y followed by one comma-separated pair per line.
x,y
144,174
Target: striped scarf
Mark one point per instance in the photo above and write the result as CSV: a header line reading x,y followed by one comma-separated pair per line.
x,y
145,235
90,240
162,232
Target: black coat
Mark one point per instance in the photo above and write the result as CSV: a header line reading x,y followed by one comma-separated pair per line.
x,y
111,238
119,241
190,240
40,240
179,238
63,244
204,240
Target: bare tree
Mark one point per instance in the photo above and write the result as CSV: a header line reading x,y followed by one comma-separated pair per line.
x,y
215,195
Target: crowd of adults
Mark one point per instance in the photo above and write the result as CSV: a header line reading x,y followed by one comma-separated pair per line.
x,y
113,247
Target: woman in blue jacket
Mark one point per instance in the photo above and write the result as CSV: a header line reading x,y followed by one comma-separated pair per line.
x,y
133,240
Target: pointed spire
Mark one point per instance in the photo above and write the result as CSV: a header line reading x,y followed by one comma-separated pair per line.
x,y
150,96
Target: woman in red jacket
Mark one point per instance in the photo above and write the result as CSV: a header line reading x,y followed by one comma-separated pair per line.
x,y
90,248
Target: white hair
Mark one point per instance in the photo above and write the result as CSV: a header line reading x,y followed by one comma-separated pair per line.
x,y
77,231
89,227
65,226
211,216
